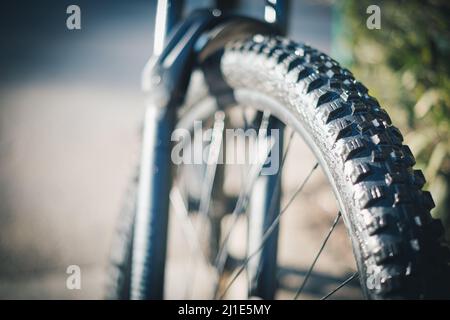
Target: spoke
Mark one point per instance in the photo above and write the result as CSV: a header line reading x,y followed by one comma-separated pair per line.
x,y
343,284
300,188
206,193
308,274
244,117
211,165
189,229
240,207
262,131
272,227
277,187
242,202
215,148
192,238
191,274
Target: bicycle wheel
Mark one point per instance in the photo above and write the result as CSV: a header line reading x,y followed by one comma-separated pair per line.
x,y
396,243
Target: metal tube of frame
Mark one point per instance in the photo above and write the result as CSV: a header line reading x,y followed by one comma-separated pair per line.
x,y
165,80
168,14
151,221
266,197
264,208
276,11
226,5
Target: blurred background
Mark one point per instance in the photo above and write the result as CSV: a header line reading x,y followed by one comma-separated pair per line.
x,y
71,110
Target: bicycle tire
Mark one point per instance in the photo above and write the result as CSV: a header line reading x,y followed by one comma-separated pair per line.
x,y
118,279
396,242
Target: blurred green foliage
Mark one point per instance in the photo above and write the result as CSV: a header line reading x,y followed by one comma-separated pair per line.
x,y
406,65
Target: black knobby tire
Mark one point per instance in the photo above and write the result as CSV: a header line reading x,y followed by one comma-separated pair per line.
x,y
118,281
395,240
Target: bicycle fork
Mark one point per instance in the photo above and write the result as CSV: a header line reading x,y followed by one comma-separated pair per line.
x,y
153,201
165,79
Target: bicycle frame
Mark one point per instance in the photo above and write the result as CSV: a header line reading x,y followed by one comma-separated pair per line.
x,y
165,81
